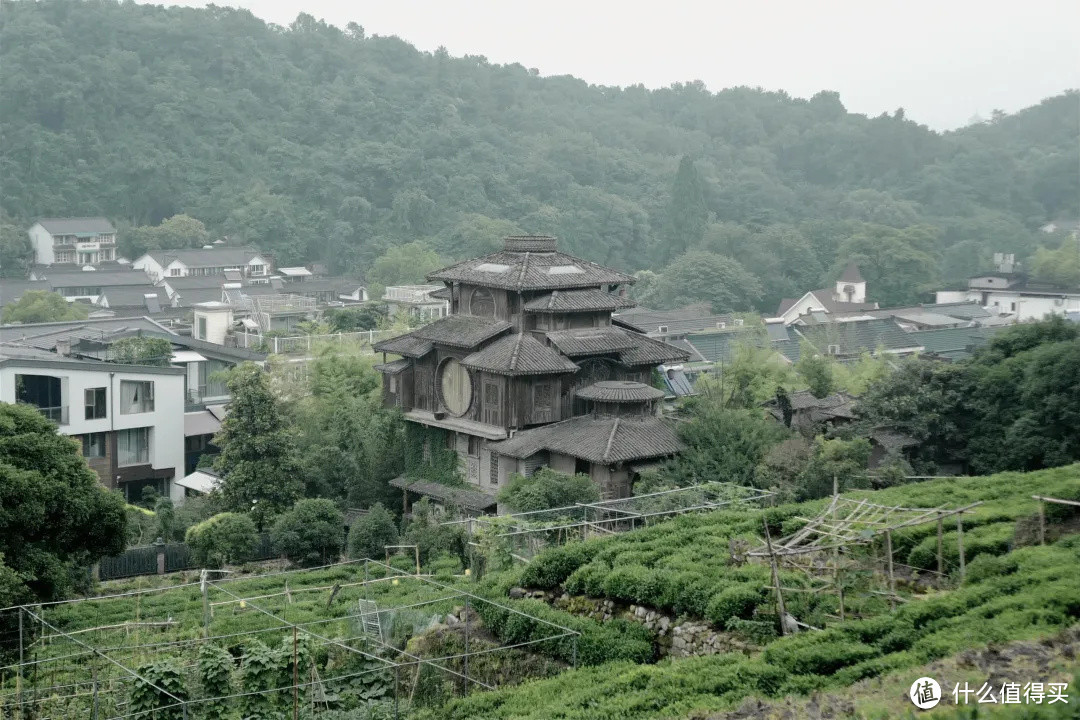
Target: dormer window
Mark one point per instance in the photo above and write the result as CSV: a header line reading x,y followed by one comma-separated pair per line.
x,y
662,329
565,270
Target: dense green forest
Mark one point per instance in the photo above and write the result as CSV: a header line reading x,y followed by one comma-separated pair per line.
x,y
326,144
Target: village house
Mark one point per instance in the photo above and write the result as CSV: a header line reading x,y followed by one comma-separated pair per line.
x,y
528,370
1007,292
73,241
209,260
848,295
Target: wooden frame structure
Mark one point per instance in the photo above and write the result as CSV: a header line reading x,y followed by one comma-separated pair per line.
x,y
819,548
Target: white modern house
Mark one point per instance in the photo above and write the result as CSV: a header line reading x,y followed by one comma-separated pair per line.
x,y
208,260
129,419
74,241
1009,293
428,302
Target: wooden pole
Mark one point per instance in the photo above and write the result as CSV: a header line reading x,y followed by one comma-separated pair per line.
x,y
892,578
1042,523
960,543
836,550
940,556
466,658
295,679
775,576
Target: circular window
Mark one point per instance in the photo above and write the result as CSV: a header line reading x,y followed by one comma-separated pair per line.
x,y
455,387
482,303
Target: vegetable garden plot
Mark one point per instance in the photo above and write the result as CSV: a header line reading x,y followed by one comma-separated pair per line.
x,y
263,646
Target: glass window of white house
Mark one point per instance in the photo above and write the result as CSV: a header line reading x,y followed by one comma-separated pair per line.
x,y
93,445
257,269
200,332
136,396
133,446
95,403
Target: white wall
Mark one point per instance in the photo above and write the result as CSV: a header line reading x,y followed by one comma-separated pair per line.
x,y
805,304
43,245
217,324
166,419
150,266
951,296
1012,302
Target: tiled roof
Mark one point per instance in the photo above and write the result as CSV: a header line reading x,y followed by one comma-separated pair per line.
x,y
79,329
77,226
831,407
202,257
692,318
530,263
408,345
394,366
953,343
591,341
692,352
520,354
597,438
825,299
892,439
441,294
11,289
96,278
463,331
577,301
462,497
133,296
648,351
719,347
858,336
966,310
619,391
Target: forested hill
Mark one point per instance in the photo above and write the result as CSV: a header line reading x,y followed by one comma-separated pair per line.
x,y
326,144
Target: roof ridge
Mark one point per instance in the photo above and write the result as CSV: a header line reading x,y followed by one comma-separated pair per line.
x,y
611,440
551,299
515,354
524,269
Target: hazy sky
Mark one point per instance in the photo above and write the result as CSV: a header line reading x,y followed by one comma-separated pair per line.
x,y
943,61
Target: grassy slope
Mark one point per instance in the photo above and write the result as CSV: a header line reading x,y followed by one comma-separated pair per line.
x,y
1027,593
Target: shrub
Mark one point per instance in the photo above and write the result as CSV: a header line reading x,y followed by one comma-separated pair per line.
x,y
371,533
819,653
734,601
546,489
312,533
226,538
551,568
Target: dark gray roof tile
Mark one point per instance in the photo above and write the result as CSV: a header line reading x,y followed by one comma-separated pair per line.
x,y
597,439
558,301
520,354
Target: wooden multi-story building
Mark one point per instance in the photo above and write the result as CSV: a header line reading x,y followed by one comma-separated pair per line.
x,y
530,370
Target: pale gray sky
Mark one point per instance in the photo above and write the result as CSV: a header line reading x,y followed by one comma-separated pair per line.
x,y
943,61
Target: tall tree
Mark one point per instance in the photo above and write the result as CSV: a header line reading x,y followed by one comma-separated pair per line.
x,y
700,276
688,214
54,514
258,461
38,306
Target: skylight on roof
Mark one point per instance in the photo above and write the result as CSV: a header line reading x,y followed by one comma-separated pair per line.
x,y
492,267
565,270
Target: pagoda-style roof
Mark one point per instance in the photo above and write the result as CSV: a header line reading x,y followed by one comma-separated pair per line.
x,y
650,351
590,299
393,367
462,331
520,354
530,262
408,345
597,438
591,341
619,391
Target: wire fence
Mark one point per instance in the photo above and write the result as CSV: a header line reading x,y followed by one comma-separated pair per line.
x,y
167,558
347,632
304,344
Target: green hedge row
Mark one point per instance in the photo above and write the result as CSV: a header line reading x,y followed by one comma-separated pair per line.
x,y
1035,592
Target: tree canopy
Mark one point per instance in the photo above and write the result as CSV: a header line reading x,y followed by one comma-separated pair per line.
x,y
54,514
38,306
324,144
258,461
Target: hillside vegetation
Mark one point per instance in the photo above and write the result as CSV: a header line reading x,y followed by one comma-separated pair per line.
x,y
1012,591
325,144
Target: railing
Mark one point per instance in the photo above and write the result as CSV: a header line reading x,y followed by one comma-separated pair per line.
x,y
58,415
166,558
303,344
411,293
